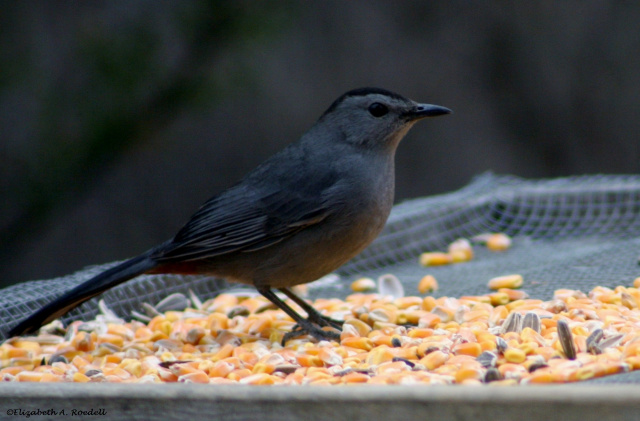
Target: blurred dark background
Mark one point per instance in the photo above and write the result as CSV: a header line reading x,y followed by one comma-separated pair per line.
x,y
119,118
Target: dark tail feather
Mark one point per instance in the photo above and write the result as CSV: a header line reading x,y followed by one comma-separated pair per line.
x,y
83,292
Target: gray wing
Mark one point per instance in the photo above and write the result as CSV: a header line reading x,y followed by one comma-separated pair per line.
x,y
240,220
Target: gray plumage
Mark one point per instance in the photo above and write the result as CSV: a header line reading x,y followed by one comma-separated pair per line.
x,y
298,216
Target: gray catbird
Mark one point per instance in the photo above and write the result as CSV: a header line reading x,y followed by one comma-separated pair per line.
x,y
300,215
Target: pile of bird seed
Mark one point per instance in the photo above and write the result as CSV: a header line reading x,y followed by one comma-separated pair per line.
x,y
502,338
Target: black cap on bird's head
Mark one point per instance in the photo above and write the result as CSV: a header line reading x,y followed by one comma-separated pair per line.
x,y
376,116
422,110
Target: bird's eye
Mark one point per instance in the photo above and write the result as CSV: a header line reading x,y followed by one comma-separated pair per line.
x,y
378,110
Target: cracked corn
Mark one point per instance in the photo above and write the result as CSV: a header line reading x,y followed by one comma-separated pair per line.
x,y
461,250
384,340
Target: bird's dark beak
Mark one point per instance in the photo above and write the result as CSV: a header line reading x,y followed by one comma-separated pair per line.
x,y
426,110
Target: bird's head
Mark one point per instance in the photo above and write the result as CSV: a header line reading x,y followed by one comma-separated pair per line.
x,y
376,117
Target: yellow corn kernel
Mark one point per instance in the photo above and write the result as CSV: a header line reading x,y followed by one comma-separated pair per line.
x,y
468,348
541,376
427,284
614,367
420,333
79,362
404,303
497,315
634,362
259,379
429,303
16,353
50,377
28,345
474,299
631,349
383,315
528,347
429,320
529,335
507,281
379,355
499,298
116,340
80,378
363,285
514,294
12,371
391,368
355,377
329,356
466,373
461,250
515,355
348,331
628,300
586,372
311,348
512,370
275,336
248,358
301,290
459,256
306,360
217,321
30,376
435,258
547,352
408,353
197,376
427,346
359,343
239,374
488,345
498,242
132,366
264,368
381,339
410,317
434,359
484,335
221,369
225,351
113,358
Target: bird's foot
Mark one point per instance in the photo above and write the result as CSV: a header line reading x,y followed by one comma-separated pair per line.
x,y
306,327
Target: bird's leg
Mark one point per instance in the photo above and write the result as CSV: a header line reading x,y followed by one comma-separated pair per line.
x,y
312,313
302,325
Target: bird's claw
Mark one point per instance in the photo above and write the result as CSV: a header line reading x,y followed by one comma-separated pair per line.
x,y
309,328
